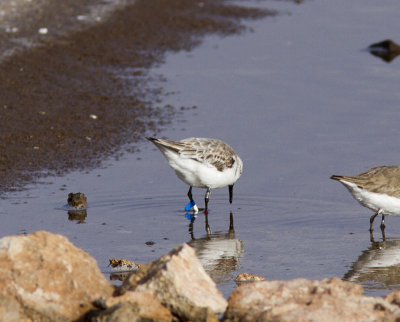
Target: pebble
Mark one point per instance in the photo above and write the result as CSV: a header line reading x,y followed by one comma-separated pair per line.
x,y
43,31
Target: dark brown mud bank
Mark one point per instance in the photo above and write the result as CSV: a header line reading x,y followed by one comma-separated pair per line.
x,y
64,104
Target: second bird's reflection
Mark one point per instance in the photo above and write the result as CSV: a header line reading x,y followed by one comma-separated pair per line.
x,y
378,267
218,252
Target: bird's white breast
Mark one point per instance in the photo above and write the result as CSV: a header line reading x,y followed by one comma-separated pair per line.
x,y
202,175
375,201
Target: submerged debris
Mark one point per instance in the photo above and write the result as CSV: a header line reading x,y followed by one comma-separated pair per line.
x,y
118,264
246,277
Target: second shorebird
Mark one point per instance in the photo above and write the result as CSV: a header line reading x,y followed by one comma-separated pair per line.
x,y
377,189
202,163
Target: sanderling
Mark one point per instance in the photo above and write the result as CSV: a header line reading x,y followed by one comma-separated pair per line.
x,y
202,163
377,189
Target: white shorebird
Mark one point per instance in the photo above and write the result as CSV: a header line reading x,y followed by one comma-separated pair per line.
x,y
202,163
377,189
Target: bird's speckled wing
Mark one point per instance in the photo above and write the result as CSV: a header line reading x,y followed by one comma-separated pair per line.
x,y
384,179
214,152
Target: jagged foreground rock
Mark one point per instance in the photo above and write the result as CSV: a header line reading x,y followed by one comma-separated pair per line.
x,y
132,306
305,300
44,277
179,282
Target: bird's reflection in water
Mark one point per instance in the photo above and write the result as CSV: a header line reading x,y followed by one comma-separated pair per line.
x,y
218,252
378,267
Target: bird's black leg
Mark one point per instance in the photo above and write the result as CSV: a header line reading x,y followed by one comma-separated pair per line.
x,y
230,193
371,220
190,194
207,197
383,222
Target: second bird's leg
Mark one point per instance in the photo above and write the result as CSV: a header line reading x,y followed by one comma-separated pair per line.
x,y
383,222
371,220
207,197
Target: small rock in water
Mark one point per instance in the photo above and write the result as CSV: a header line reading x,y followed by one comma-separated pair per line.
x,y
387,45
245,277
386,50
77,201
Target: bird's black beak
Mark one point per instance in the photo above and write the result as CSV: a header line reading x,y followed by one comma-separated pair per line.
x,y
230,193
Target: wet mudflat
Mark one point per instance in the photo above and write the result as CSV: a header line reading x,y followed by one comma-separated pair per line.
x,y
299,100
68,101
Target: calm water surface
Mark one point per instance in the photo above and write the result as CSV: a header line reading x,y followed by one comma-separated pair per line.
x,y
299,99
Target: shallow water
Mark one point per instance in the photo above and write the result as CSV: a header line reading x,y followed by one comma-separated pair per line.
x,y
299,99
